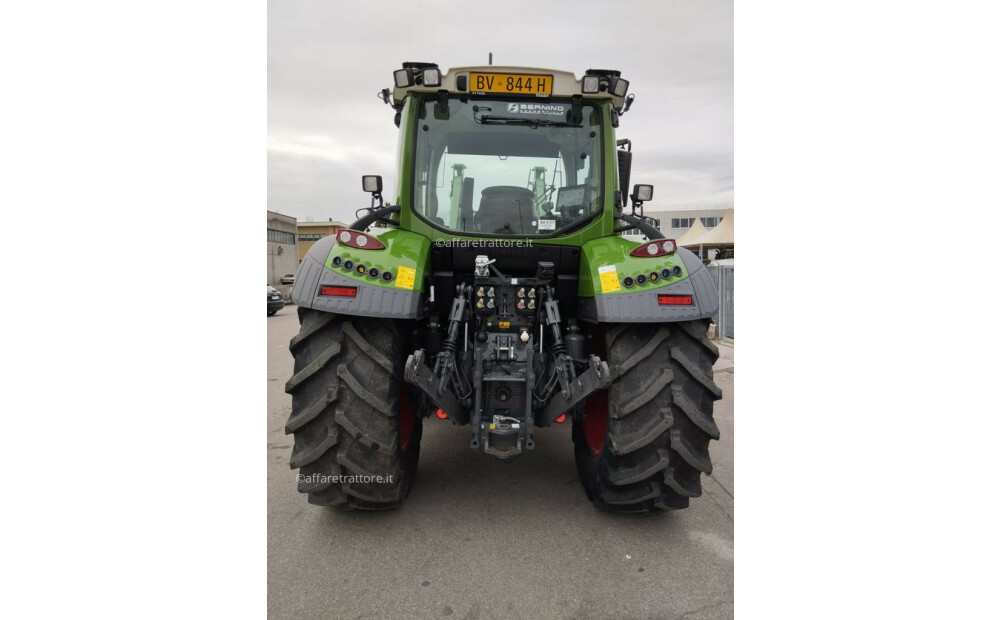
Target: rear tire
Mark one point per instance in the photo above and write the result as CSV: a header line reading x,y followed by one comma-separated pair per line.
x,y
657,421
351,413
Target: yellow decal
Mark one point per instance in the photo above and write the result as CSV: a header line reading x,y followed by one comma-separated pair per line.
x,y
609,279
504,324
405,277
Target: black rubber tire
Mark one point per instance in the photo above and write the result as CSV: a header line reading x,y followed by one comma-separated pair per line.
x,y
659,418
346,393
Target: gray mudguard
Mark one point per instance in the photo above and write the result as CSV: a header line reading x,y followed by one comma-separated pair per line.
x,y
641,306
371,300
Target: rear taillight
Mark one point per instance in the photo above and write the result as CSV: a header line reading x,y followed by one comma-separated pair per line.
x,y
338,291
660,247
359,240
674,300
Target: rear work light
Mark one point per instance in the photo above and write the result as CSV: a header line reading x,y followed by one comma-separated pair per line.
x,y
359,240
674,300
338,291
660,247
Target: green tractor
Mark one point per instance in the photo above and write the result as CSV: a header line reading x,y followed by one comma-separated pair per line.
x,y
499,293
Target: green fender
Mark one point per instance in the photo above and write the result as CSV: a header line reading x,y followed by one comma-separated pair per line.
x,y
406,256
610,288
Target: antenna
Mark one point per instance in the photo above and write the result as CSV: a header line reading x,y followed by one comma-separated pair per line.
x,y
491,58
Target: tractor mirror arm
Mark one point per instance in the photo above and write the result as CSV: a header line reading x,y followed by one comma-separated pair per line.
x,y
638,222
373,216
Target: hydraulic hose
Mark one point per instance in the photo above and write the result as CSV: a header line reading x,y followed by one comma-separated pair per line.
x,y
373,216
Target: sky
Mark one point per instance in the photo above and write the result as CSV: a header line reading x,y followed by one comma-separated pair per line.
x,y
328,59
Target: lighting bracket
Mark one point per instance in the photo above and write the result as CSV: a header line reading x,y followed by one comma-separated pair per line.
x,y
441,111
576,104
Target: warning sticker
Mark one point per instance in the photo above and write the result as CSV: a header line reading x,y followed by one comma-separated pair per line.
x,y
609,279
546,224
405,277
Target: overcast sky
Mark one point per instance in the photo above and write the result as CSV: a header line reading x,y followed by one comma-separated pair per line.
x,y
327,60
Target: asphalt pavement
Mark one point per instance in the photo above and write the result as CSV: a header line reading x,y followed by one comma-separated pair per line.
x,y
479,538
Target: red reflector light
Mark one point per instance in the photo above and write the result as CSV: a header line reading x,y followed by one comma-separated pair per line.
x,y
339,291
441,414
355,239
561,419
652,249
674,300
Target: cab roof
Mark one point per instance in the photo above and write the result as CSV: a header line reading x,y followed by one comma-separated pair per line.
x,y
564,83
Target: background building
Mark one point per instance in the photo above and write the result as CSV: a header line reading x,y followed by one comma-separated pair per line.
x,y
675,220
311,232
282,253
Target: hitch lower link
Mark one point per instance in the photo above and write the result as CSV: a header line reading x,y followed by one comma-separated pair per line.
x,y
505,436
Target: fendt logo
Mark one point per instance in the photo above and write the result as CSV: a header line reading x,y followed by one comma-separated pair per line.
x,y
535,108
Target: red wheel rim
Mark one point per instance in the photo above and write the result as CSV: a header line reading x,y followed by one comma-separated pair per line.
x,y
595,421
407,420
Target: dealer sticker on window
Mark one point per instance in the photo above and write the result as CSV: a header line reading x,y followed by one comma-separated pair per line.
x,y
546,224
405,277
609,279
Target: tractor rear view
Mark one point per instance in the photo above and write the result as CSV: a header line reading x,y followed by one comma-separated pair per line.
x,y
501,295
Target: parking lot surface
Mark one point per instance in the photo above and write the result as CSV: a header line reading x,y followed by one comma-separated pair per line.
x,y
479,538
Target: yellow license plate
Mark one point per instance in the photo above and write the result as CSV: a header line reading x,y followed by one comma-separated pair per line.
x,y
510,83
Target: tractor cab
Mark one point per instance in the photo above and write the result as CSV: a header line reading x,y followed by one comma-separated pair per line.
x,y
502,151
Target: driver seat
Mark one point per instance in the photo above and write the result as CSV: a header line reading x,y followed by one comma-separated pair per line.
x,y
506,210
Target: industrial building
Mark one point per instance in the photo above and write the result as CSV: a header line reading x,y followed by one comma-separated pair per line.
x,y
282,250
311,232
676,220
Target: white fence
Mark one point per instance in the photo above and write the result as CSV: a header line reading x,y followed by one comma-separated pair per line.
x,y
724,280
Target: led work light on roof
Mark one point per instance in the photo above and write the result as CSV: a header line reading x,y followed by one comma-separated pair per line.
x,y
432,77
419,73
403,77
598,80
618,86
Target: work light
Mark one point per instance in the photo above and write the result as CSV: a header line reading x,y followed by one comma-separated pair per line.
x,y
618,86
372,183
432,77
591,84
403,77
642,193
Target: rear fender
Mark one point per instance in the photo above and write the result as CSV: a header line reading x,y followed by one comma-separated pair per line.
x,y
406,256
604,296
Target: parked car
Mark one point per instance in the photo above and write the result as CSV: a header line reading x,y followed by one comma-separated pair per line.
x,y
275,301
288,278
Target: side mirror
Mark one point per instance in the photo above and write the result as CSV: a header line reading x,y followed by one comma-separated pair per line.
x,y
372,184
624,169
